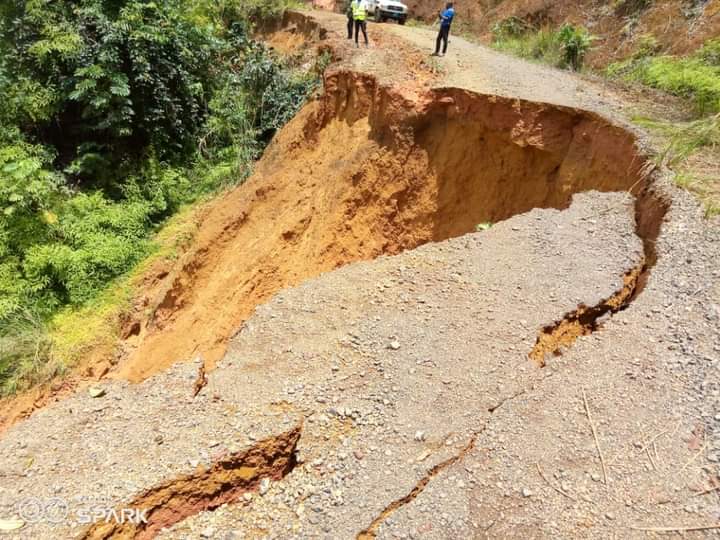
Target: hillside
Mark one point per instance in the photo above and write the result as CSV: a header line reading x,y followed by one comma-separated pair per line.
x,y
453,300
679,26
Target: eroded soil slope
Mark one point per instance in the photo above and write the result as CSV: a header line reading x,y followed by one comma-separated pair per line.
x,y
369,170
398,397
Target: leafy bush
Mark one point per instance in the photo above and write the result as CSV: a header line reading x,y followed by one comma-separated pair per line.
x,y
647,45
709,54
144,82
510,27
563,48
576,42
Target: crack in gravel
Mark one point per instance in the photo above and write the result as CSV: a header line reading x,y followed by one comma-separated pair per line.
x,y
205,489
552,339
371,531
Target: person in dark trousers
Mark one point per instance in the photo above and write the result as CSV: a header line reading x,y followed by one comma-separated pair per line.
x,y
446,18
350,22
359,15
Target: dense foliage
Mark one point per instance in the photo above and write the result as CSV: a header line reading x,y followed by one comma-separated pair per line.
x,y
565,47
115,113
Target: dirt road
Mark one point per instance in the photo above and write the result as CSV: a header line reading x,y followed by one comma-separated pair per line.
x,y
395,397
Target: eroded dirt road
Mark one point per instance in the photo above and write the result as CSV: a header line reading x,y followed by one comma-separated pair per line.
x,y
395,397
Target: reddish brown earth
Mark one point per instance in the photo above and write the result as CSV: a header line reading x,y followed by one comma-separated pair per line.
x,y
375,171
394,397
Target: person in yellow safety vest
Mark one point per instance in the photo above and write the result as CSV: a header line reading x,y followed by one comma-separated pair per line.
x,y
359,9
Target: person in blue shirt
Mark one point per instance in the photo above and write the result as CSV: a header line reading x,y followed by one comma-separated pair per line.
x,y
446,18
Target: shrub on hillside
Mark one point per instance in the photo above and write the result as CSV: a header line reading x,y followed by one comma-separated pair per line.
x,y
564,48
576,43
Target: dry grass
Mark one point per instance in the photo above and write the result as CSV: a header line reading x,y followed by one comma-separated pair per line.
x,y
692,150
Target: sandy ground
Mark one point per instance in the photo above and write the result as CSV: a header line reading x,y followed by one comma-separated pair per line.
x,y
395,397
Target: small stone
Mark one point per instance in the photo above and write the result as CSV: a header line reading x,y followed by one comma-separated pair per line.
x,y
207,532
419,436
394,345
248,496
158,439
526,492
95,392
264,486
609,516
595,477
358,454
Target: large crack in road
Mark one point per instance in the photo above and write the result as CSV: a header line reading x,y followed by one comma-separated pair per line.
x,y
370,170
207,488
398,171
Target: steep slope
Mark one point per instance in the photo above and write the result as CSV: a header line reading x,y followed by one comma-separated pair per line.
x,y
398,397
366,171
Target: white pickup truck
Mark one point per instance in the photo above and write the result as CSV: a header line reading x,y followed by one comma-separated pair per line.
x,y
381,10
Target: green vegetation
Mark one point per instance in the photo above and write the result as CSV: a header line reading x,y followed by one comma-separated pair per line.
x,y
116,114
696,77
563,48
691,146
688,150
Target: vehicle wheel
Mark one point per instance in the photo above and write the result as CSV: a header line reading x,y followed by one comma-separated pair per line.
x,y
378,17
401,21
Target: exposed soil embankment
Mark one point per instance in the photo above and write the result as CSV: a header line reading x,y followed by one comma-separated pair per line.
x,y
369,170
290,32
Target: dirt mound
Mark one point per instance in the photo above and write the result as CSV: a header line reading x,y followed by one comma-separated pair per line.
x,y
369,170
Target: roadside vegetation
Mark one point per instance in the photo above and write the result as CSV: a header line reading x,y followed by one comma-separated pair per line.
x,y
565,47
690,147
695,77
692,150
117,114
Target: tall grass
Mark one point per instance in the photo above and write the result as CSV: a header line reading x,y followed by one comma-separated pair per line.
x,y
696,78
691,150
